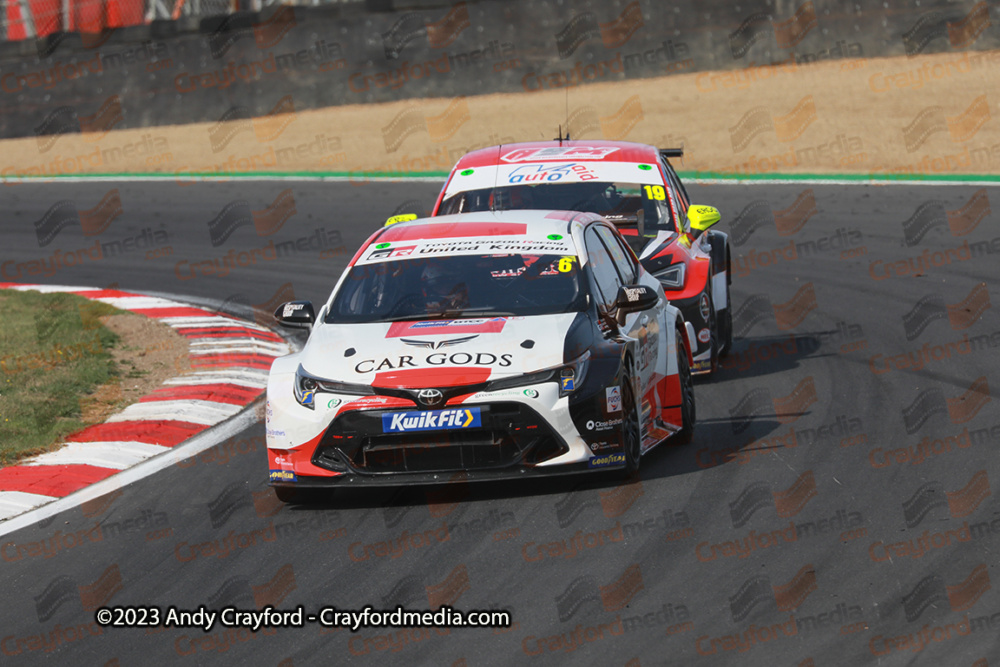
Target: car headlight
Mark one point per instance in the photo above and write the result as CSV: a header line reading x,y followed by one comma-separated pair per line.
x,y
522,380
569,377
306,386
672,277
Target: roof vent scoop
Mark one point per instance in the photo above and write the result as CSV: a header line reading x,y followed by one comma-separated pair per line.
x,y
528,344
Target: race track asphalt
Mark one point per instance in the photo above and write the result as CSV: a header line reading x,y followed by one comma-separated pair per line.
x,y
835,507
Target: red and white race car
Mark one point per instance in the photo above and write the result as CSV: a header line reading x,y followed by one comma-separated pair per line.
x,y
496,344
631,185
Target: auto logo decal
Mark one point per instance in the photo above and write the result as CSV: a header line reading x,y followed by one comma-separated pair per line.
x,y
436,345
430,397
703,306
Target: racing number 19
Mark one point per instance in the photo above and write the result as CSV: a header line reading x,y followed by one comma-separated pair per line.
x,y
655,192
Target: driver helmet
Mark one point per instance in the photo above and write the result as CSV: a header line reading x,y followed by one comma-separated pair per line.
x,y
438,282
506,199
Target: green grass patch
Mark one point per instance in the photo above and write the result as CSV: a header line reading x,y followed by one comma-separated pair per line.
x,y
53,353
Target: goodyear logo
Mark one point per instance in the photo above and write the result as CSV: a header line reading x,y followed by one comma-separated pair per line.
x,y
283,476
431,420
606,460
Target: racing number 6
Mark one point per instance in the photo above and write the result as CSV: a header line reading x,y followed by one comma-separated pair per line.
x,y
655,192
565,265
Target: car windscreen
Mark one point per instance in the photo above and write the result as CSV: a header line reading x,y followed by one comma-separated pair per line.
x,y
624,204
456,286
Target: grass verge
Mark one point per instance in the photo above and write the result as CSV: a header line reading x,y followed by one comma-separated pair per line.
x,y
53,354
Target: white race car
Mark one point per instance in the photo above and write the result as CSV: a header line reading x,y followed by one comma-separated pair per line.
x,y
494,344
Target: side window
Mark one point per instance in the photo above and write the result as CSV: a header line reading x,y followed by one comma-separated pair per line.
x,y
603,268
620,256
675,181
678,196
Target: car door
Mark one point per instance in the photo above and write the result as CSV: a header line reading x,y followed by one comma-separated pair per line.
x,y
647,325
641,327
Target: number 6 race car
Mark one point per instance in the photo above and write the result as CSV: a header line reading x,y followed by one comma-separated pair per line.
x,y
631,185
496,344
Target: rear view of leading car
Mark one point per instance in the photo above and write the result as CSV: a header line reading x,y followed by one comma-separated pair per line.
x,y
513,344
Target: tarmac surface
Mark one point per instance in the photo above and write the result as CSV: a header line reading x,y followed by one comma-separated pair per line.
x,y
834,508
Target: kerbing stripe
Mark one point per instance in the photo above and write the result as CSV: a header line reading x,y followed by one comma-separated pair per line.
x,y
213,321
197,412
245,377
249,346
116,455
16,502
137,302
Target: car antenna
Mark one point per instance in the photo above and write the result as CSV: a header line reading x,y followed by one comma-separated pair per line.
x,y
496,179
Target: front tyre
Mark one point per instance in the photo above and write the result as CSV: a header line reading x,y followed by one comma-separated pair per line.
x,y
725,324
723,329
631,429
688,415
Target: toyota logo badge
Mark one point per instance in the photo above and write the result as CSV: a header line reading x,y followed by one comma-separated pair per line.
x,y
430,397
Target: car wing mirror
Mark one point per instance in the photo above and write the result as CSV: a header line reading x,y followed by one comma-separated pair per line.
x,y
634,298
403,217
295,314
702,217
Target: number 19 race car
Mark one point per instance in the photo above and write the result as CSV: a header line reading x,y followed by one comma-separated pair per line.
x,y
633,186
493,344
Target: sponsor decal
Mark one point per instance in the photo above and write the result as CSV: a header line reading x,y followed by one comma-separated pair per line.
x,y
603,425
530,173
559,153
333,402
283,476
370,400
704,335
530,393
567,383
435,359
308,397
613,396
460,247
606,460
290,309
388,253
431,420
633,293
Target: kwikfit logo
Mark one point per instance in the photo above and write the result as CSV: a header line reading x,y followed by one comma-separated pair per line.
x,y
401,422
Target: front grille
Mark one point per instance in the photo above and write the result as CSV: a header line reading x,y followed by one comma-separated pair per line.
x,y
511,434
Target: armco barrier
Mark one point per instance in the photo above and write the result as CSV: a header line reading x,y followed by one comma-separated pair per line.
x,y
241,65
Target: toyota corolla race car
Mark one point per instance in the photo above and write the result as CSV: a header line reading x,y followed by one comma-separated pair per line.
x,y
494,344
633,186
